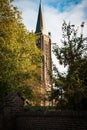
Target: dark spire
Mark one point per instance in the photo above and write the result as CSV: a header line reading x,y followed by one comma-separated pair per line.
x,y
40,27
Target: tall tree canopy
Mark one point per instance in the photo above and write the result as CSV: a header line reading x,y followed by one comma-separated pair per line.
x,y
73,54
20,59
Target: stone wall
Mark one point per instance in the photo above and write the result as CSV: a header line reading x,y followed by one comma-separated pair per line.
x,y
9,106
13,117
52,121
11,103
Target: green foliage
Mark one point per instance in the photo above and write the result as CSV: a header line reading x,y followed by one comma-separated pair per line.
x,y
72,46
20,59
72,54
31,108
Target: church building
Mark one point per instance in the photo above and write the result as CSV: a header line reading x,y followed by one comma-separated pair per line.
x,y
44,43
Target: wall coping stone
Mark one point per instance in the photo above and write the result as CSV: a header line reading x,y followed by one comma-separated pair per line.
x,y
53,114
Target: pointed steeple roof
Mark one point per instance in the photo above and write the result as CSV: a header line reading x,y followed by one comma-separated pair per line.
x,y
40,27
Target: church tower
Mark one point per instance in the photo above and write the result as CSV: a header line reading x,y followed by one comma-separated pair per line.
x,y
44,43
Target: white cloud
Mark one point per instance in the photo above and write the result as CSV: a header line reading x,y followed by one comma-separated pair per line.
x,y
74,14
53,18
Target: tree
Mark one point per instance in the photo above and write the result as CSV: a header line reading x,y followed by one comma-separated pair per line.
x,y
20,59
73,54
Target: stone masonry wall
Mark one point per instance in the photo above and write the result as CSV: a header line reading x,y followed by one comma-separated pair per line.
x,y
52,121
9,106
13,117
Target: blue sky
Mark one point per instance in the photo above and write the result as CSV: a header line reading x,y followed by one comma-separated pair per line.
x,y
55,11
62,5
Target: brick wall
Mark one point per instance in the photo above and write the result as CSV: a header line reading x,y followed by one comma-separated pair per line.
x,y
12,117
9,106
11,103
52,121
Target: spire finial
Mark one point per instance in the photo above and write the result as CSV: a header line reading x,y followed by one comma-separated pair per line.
x,y
40,27
40,1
